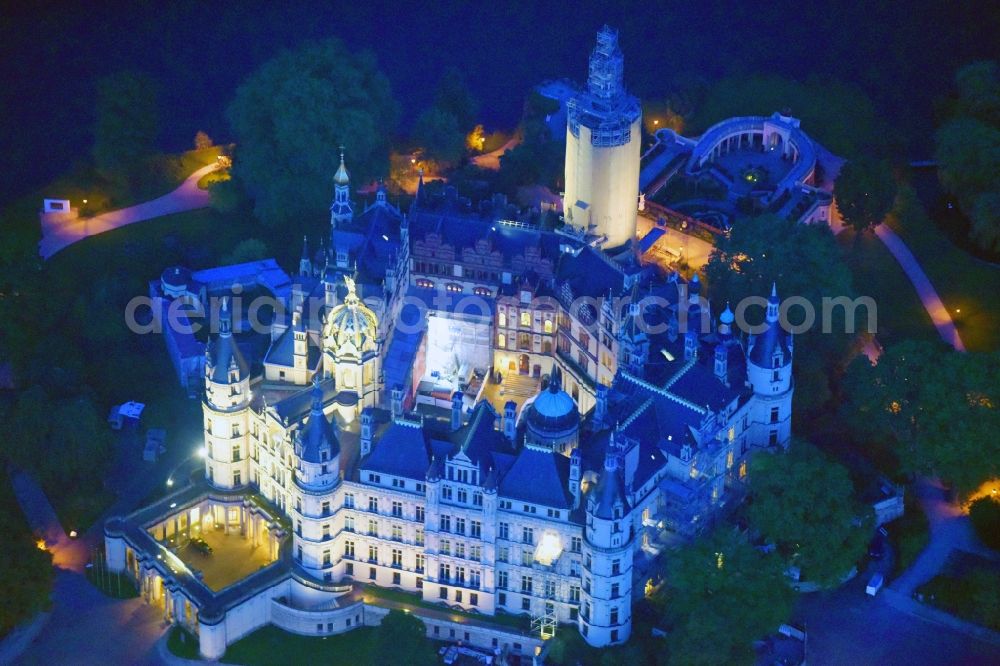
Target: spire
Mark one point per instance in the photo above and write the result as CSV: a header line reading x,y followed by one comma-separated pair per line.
x,y
726,321
305,248
342,177
225,319
317,396
772,304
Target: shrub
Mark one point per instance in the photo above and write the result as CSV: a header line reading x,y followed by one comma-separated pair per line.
x,y
985,516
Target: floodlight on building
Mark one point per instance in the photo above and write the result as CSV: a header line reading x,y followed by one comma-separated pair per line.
x,y
202,452
549,549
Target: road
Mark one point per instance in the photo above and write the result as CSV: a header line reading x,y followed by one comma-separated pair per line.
x,y
57,235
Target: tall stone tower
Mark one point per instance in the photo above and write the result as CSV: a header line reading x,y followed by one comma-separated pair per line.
x,y
769,370
602,149
226,408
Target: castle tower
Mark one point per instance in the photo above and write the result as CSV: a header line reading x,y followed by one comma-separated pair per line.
x,y
769,371
606,602
602,149
226,408
340,209
317,451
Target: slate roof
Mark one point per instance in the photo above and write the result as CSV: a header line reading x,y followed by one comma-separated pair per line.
x,y
282,351
763,347
538,477
402,450
318,435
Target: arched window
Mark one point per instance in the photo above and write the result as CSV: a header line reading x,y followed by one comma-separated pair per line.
x,y
502,320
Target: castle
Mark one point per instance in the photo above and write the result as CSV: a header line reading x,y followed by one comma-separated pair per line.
x,y
458,404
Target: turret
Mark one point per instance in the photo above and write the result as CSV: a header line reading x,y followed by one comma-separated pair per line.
x,y
340,209
305,263
510,420
769,371
226,407
723,346
317,447
606,602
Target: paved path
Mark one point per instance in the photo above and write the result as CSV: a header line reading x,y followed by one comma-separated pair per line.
x,y
925,290
58,235
491,160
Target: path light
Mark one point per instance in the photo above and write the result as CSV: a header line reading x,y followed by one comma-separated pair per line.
x,y
170,483
72,534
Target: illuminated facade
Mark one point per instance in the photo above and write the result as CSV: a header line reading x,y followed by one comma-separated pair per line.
x,y
372,445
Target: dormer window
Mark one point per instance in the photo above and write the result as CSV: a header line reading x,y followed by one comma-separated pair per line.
x,y
777,361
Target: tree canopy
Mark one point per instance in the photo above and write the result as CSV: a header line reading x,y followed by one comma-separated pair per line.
x,y
248,249
402,639
439,135
865,190
721,595
453,97
968,150
803,260
804,502
126,122
940,408
291,117
839,116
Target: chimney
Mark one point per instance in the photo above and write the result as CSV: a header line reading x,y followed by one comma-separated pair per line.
x,y
396,406
510,420
456,410
601,408
367,428
575,464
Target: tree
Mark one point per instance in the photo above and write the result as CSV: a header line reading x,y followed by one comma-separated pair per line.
x,y
126,122
249,249
291,116
402,639
865,190
226,195
439,135
202,140
984,513
968,151
453,97
721,595
804,503
937,406
804,260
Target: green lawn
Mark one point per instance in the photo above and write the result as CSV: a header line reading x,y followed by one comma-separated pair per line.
x,y
877,274
271,645
969,287
518,622
971,592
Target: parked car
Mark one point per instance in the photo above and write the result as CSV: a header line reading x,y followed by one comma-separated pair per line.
x,y
874,585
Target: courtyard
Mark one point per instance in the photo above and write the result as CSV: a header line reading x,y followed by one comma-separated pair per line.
x,y
232,558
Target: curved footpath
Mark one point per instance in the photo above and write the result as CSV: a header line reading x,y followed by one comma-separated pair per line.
x,y
925,290
188,196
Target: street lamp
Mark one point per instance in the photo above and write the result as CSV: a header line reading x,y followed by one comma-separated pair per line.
x,y
201,453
